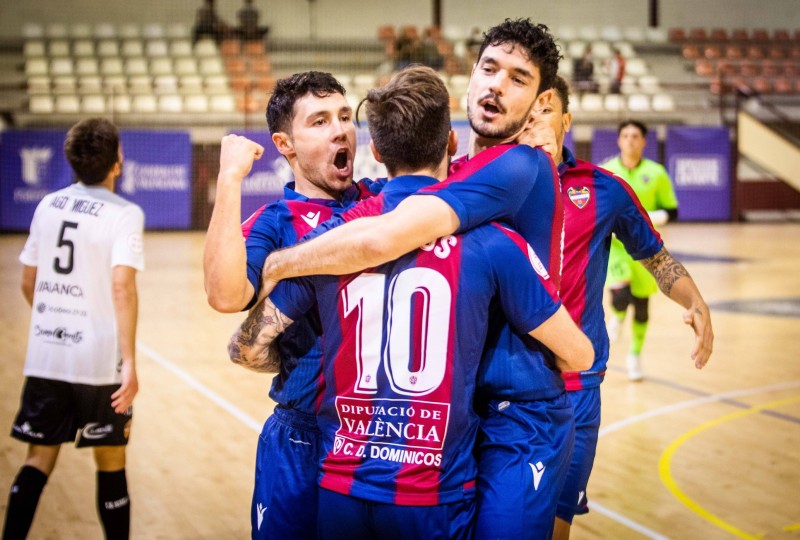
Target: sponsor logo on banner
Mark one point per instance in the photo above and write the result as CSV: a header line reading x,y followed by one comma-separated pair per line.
x,y
579,197
697,171
34,162
153,177
58,335
268,181
398,430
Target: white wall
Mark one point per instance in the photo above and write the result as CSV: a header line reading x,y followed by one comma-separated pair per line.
x,y
360,18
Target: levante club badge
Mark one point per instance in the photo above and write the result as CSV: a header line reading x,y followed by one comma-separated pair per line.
x,y
579,197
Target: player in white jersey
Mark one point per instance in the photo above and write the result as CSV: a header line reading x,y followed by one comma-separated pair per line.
x,y
80,263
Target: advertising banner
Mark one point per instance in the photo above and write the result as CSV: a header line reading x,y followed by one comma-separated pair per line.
x,y
698,161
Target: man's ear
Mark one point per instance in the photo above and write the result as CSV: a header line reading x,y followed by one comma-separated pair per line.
x,y
543,100
567,119
283,143
375,152
452,143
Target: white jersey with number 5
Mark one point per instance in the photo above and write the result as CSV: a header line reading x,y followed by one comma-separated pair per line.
x,y
78,234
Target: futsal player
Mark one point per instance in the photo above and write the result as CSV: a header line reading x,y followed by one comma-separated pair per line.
x,y
597,204
80,262
403,341
522,472
312,127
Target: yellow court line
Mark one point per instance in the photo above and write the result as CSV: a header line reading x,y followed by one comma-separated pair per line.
x,y
666,457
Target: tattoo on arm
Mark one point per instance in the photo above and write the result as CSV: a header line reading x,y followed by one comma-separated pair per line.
x,y
665,269
251,345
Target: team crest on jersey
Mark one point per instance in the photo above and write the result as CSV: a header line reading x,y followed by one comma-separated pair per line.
x,y
579,197
645,179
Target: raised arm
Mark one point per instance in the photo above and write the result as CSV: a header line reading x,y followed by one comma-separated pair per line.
x,y
573,350
224,255
364,243
250,347
126,310
675,282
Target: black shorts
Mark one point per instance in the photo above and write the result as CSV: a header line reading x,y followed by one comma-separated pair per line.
x,y
54,412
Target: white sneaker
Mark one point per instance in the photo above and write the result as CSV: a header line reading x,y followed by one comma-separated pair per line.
x,y
614,328
634,364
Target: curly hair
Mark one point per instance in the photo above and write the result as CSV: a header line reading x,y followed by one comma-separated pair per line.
x,y
534,39
280,109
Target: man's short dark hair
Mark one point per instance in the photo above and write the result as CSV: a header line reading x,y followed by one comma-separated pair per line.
x,y
562,89
92,149
409,119
534,39
635,123
280,109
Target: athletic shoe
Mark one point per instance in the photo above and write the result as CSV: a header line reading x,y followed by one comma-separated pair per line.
x,y
634,364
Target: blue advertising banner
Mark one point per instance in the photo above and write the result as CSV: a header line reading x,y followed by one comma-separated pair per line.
x,y
32,164
156,175
698,161
604,146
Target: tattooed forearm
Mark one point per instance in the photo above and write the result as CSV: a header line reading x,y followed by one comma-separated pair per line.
x,y
250,347
665,269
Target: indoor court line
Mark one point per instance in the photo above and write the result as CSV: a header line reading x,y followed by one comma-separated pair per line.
x,y
226,405
724,397
255,426
665,469
631,524
619,518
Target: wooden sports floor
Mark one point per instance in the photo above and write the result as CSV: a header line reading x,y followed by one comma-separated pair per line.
x,y
685,454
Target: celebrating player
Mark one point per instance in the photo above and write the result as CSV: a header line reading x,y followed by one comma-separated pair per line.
x,y
597,204
403,341
311,125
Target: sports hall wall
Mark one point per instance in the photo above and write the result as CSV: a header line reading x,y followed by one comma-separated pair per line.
x,y
175,186
350,18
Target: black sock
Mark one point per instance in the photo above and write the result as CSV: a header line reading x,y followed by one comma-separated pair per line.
x,y
113,504
22,502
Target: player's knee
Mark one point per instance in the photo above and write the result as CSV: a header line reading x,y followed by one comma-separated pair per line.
x,y
621,298
109,458
640,310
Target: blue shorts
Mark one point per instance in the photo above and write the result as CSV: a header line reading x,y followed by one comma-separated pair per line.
x,y
574,499
342,517
524,453
287,466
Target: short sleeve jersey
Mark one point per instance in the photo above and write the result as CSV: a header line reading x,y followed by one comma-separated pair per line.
x,y
649,180
402,346
77,236
278,225
596,204
516,185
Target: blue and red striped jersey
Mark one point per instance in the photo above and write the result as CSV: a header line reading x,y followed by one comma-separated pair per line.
x,y
402,345
517,185
596,204
278,225
514,184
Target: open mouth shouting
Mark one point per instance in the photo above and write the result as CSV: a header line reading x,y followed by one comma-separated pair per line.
x,y
343,163
490,106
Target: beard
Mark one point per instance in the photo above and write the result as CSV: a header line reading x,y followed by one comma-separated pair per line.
x,y
495,131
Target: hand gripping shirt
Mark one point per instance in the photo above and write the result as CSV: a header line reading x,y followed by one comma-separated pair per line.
x,y
402,345
596,204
